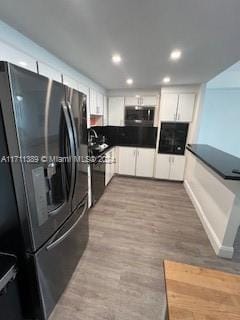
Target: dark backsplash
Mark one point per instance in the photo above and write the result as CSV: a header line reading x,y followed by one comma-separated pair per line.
x,y
129,136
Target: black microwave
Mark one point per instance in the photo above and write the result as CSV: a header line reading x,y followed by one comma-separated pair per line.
x,y
173,138
139,116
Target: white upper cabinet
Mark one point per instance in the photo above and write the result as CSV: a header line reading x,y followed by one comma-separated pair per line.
x,y
144,162
141,101
116,111
99,105
17,57
93,101
96,102
149,101
177,107
168,107
127,161
186,103
49,72
105,111
131,101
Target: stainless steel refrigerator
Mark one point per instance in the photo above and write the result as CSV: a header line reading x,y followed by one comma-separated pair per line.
x,y
46,134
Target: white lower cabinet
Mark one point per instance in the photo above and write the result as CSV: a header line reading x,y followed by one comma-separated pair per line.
x,y
177,168
136,161
145,161
162,168
110,165
127,161
170,167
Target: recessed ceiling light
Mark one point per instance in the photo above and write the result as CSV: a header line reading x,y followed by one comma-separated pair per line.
x,y
23,63
116,58
176,54
129,81
166,79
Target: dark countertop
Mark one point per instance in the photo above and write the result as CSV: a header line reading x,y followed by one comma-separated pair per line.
x,y
219,161
98,154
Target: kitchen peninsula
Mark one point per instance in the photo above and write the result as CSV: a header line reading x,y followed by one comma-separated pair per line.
x,y
213,184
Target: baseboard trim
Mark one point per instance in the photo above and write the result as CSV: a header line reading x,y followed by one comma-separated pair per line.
x,y
220,250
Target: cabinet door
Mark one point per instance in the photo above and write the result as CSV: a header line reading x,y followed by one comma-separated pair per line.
x,y
116,111
162,170
168,107
148,100
177,168
49,72
144,162
99,107
186,103
127,160
131,101
93,101
105,111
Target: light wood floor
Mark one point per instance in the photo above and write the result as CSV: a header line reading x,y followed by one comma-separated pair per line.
x,y
197,293
135,226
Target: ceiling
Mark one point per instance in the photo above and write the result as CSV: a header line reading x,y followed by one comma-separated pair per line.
x,y
85,34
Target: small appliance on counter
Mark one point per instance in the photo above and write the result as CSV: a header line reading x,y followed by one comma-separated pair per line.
x,y
173,137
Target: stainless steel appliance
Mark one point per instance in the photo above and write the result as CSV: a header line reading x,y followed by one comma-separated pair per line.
x,y
46,129
139,116
98,178
173,137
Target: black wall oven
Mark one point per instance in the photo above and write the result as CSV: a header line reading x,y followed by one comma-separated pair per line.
x,y
173,137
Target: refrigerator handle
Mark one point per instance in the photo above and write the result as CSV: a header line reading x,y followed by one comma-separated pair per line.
x,y
72,148
74,128
56,242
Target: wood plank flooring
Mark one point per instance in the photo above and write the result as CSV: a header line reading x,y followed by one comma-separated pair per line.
x,y
200,293
135,226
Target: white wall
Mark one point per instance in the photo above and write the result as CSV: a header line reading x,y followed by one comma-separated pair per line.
x,y
220,120
15,41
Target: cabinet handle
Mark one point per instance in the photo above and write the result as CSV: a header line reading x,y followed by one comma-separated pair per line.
x,y
179,116
172,159
175,117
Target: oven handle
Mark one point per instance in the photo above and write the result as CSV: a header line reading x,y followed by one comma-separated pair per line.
x,y
69,231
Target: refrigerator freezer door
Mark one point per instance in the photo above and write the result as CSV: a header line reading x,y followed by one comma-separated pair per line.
x,y
78,111
57,260
44,136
